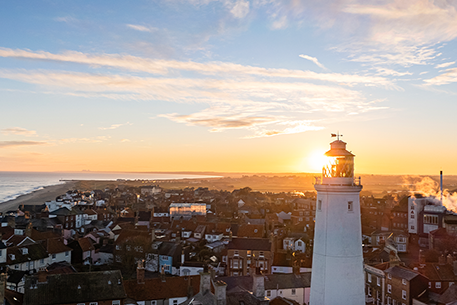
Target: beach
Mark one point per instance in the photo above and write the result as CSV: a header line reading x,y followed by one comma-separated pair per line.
x,y
48,193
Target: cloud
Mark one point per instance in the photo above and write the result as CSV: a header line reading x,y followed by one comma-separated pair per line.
x,y
404,32
163,67
125,140
85,140
280,23
450,76
66,19
240,9
114,126
444,65
142,28
387,72
12,144
314,60
220,123
260,102
18,131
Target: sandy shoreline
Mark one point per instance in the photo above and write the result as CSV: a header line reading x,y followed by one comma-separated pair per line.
x,y
38,197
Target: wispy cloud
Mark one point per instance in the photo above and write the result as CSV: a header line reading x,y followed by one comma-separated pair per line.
x,y
450,76
445,65
387,72
162,67
232,103
114,126
314,60
142,28
12,144
98,139
18,131
240,9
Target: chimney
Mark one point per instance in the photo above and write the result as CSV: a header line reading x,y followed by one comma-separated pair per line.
x,y
296,268
421,257
190,287
442,260
2,287
28,230
220,288
140,272
183,257
449,259
42,277
258,284
205,281
455,267
162,274
441,186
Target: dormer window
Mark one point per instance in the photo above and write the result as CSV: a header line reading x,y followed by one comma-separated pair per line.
x,y
13,257
25,251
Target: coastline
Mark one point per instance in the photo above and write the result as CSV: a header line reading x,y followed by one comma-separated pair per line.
x,y
38,197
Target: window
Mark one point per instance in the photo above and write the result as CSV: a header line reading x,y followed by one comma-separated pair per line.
x,y
261,254
369,277
438,285
268,293
235,264
369,291
403,281
53,256
67,253
236,253
118,247
248,253
378,281
389,288
389,276
350,206
117,302
42,261
319,205
293,291
388,300
93,303
403,294
394,302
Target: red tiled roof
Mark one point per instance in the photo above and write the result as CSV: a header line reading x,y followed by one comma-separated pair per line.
x,y
155,289
85,244
55,245
248,230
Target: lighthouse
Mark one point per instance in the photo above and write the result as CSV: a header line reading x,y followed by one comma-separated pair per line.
x,y
337,270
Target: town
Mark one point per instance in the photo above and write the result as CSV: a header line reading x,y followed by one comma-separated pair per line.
x,y
151,245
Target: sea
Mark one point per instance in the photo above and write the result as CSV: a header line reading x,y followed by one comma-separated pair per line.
x,y
15,184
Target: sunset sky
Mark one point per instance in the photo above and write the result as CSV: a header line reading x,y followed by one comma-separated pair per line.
x,y
227,85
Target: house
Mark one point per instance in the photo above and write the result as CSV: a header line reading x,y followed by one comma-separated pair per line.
x,y
27,257
244,253
403,284
83,250
251,231
102,288
375,283
161,290
440,275
397,238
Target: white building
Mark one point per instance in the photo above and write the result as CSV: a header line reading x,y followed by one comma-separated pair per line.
x,y
337,274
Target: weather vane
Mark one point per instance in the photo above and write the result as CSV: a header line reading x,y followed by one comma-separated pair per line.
x,y
337,135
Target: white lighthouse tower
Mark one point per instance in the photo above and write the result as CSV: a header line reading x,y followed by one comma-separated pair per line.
x,y
337,270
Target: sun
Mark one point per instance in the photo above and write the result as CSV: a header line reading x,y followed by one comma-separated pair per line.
x,y
314,161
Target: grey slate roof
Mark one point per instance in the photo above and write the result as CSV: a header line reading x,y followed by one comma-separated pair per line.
x,y
259,244
401,272
272,281
74,288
